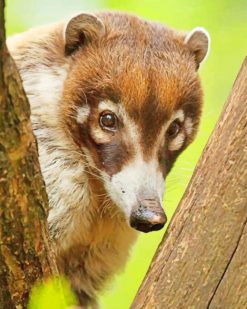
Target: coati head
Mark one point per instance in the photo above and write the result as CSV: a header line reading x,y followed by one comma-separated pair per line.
x,y
132,102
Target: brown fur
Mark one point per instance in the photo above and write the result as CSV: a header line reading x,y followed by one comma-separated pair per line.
x,y
156,78
142,67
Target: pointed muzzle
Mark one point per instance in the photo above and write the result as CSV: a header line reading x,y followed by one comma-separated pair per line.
x,y
148,216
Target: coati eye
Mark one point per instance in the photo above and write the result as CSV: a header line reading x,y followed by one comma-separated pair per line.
x,y
108,121
174,128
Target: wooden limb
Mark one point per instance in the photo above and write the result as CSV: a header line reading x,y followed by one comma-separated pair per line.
x,y
25,255
202,259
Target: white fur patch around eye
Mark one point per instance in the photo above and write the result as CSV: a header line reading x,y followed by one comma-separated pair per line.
x,y
100,136
179,114
177,142
108,105
188,124
82,114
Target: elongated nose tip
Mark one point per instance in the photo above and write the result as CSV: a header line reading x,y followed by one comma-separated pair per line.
x,y
148,217
158,221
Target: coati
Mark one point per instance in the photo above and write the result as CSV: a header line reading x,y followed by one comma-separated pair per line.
x,y
114,100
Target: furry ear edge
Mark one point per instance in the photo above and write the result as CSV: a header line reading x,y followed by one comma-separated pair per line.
x,y
81,29
198,42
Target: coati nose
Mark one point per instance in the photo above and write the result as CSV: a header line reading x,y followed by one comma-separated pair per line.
x,y
148,217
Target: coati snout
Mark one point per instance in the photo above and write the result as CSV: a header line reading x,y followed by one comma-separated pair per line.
x,y
149,216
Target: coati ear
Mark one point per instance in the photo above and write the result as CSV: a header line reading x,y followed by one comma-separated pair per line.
x,y
82,29
198,41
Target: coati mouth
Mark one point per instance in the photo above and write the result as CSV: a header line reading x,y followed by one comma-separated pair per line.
x,y
148,217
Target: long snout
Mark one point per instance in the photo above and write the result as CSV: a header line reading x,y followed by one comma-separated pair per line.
x,y
148,216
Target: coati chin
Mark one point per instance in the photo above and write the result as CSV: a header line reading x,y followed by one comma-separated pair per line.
x,y
114,100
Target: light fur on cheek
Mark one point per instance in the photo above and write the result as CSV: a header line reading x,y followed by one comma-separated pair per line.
x,y
188,124
100,136
177,142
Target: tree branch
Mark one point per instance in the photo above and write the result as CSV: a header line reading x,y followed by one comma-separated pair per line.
x,y
25,255
201,261
2,39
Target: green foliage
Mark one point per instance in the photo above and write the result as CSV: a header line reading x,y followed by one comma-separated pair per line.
x,y
55,294
226,22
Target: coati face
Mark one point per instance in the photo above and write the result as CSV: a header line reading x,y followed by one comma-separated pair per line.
x,y
132,103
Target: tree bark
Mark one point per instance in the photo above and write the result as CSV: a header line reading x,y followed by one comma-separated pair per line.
x,y
24,247
202,259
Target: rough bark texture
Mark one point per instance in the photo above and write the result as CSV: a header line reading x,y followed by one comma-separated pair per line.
x,y
202,259
24,245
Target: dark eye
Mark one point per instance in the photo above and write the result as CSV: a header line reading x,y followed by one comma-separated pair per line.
x,y
108,120
174,128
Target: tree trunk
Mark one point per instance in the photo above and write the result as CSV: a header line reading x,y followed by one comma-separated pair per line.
x,y
202,259
24,246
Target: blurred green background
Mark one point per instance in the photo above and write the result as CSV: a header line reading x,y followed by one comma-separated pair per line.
x,y
226,21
